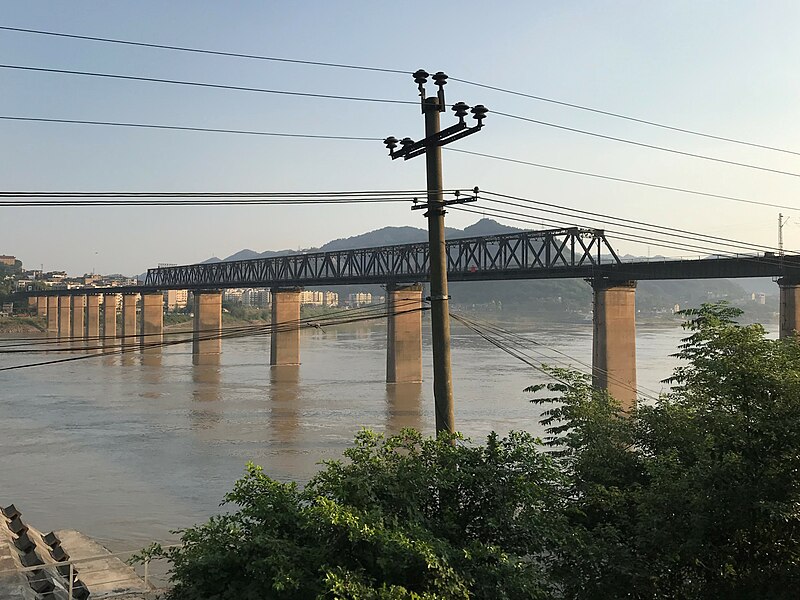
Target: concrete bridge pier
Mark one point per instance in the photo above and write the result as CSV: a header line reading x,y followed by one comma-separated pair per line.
x,y
109,319
152,320
41,307
404,334
52,314
129,318
206,343
93,319
614,340
789,306
285,327
64,314
78,329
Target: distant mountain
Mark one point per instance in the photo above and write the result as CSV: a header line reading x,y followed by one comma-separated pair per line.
x,y
386,236
486,227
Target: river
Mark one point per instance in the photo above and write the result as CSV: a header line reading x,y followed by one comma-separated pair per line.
x,y
127,448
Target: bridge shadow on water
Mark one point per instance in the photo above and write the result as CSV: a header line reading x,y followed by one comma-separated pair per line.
x,y
284,396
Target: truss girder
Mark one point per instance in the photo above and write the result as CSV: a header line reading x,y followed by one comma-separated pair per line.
x,y
475,258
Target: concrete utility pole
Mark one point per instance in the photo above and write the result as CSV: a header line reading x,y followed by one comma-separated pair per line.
x,y
431,145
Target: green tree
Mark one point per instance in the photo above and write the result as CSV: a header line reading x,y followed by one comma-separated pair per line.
x,y
402,518
697,495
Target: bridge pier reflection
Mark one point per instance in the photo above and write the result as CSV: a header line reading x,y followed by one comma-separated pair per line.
x,y
284,392
403,407
614,340
206,393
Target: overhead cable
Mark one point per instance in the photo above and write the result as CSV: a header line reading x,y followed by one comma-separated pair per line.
x,y
387,101
199,129
633,223
625,117
371,139
644,145
621,179
394,71
201,84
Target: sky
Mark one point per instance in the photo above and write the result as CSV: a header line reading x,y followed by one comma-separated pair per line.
x,y
729,69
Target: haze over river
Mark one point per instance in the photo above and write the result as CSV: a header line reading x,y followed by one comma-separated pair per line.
x,y
126,448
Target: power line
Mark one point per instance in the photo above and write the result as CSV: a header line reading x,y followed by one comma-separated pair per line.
x,y
621,116
260,330
117,198
204,51
633,223
189,202
387,101
174,194
644,145
200,84
501,338
37,341
394,71
619,236
200,129
621,179
357,138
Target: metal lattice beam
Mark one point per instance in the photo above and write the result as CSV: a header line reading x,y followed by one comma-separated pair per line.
x,y
468,258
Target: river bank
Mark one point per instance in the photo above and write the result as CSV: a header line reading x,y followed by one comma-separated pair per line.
x,y
22,325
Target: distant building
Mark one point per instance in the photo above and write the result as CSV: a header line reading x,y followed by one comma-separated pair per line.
x,y
330,299
233,295
311,297
259,298
176,299
7,260
359,299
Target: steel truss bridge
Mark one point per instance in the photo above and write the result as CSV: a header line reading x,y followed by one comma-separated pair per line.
x,y
554,253
531,252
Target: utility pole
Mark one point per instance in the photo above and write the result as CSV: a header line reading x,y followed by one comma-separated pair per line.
x,y
431,145
781,223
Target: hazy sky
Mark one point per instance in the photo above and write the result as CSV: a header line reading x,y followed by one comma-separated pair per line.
x,y
727,68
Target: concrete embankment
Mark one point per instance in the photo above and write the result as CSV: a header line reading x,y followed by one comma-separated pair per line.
x,y
34,565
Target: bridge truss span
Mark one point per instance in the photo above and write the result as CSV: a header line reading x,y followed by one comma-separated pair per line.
x,y
525,254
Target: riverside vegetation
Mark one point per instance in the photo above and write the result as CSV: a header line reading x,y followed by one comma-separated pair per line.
x,y
695,495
